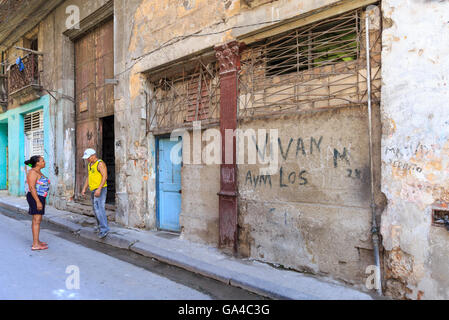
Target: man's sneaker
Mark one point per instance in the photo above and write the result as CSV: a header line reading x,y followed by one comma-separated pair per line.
x,y
103,235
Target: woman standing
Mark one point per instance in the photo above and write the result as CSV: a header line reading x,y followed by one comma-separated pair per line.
x,y
38,186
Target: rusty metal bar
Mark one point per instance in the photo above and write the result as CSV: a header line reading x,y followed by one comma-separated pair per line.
x,y
18,80
186,97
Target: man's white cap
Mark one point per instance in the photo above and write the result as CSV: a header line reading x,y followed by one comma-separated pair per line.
x,y
88,153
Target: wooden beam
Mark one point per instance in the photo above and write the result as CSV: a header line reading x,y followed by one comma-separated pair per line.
x,y
29,50
28,17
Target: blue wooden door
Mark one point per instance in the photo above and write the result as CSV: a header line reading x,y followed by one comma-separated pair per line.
x,y
169,187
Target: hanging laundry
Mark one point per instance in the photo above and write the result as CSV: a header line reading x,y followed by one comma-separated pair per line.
x,y
19,62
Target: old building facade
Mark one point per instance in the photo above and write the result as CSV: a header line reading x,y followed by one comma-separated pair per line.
x,y
340,103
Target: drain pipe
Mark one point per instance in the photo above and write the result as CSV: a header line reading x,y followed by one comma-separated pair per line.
x,y
374,227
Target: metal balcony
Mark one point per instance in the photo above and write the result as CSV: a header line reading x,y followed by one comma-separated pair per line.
x,y
24,79
3,91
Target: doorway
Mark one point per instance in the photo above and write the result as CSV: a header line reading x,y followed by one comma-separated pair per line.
x,y
94,63
168,185
108,154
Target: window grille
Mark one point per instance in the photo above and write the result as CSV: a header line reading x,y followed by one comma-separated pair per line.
x,y
188,96
317,66
324,43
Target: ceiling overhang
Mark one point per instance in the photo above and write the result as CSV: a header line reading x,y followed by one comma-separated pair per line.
x,y
23,19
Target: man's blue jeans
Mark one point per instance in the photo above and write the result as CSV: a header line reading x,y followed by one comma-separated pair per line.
x,y
98,205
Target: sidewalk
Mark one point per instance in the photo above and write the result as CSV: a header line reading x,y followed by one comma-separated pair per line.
x,y
250,275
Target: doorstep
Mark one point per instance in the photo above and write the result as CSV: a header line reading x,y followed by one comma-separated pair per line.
x,y
84,209
253,276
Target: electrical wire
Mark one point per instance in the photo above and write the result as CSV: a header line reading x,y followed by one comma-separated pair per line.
x,y
181,38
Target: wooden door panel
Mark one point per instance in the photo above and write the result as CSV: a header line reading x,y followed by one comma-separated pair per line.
x,y
86,137
94,63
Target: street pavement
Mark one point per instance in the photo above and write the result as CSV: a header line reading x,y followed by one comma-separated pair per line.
x,y
26,274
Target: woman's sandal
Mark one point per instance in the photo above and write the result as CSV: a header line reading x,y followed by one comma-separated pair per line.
x,y
39,248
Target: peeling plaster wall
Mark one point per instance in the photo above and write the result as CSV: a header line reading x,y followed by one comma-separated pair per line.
x,y
314,213
186,27
200,186
415,147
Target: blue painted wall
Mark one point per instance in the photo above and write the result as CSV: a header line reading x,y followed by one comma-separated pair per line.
x,y
16,141
3,146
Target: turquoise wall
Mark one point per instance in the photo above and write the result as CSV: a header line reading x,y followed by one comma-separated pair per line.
x,y
16,141
3,145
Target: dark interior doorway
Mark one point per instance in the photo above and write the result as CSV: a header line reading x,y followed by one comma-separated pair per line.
x,y
108,155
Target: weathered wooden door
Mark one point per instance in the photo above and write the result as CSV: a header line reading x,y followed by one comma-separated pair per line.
x,y
94,62
169,186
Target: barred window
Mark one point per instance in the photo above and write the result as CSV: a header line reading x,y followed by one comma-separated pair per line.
x,y
187,96
318,66
328,42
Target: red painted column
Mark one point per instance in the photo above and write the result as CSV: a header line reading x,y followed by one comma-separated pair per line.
x,y
228,56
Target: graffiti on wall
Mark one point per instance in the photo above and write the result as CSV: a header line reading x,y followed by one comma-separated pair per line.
x,y
395,156
300,150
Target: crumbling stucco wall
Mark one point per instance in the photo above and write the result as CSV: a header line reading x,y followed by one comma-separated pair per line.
x,y
149,34
314,213
200,186
415,147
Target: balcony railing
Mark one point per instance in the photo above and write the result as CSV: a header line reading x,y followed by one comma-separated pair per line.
x,y
3,90
27,77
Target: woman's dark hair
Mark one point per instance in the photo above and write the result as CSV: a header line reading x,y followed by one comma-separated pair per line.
x,y
33,160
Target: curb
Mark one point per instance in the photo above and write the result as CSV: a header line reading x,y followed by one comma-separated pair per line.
x,y
235,279
11,207
182,261
63,223
268,288
70,226
111,239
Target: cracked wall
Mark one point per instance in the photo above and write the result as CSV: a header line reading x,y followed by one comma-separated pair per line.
x,y
415,147
314,213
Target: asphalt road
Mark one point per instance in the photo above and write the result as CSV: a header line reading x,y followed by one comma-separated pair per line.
x,y
104,272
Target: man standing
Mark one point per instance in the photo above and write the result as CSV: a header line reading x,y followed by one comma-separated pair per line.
x,y
96,181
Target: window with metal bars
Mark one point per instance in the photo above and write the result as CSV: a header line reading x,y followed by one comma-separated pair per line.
x,y
318,66
190,95
328,42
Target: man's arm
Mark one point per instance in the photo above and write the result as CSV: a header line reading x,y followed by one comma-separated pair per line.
x,y
104,176
86,184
